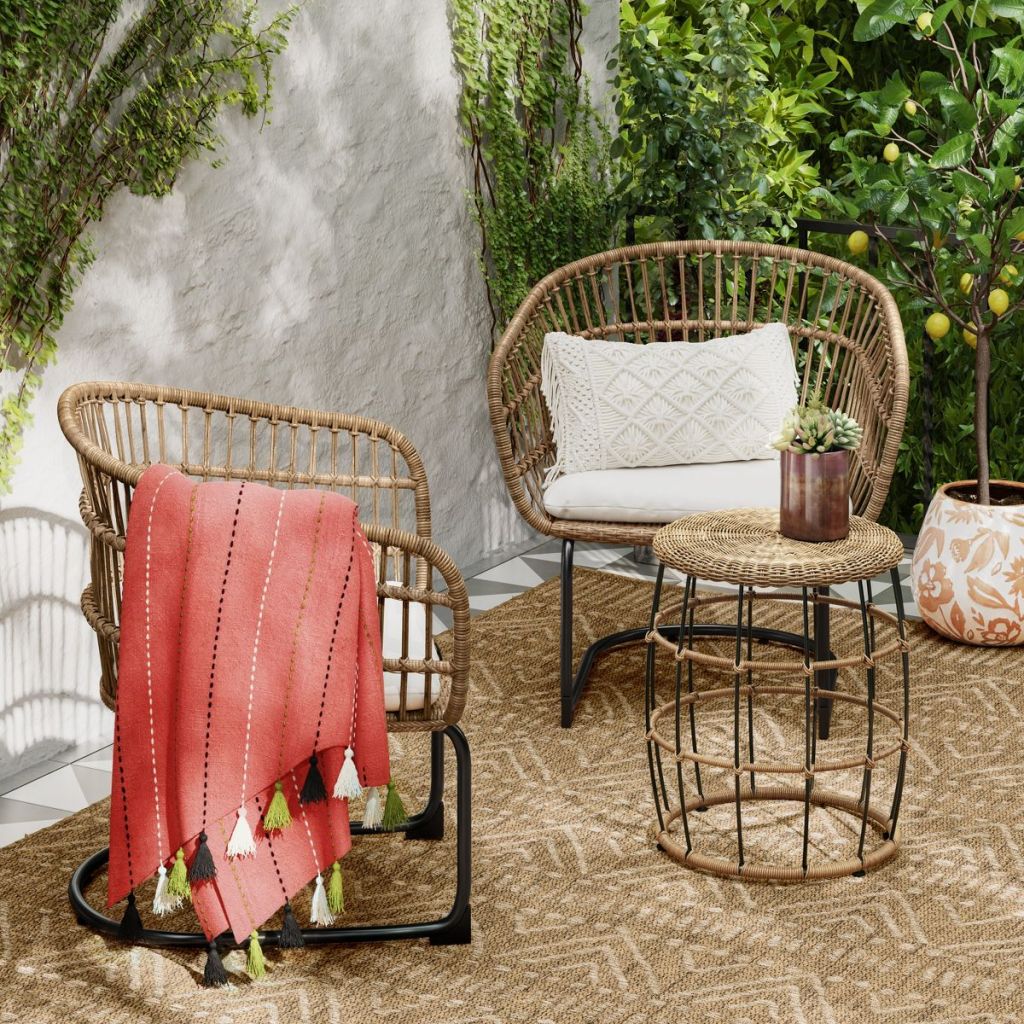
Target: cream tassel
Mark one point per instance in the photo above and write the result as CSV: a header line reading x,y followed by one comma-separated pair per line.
x,y
373,813
162,903
241,843
320,911
347,785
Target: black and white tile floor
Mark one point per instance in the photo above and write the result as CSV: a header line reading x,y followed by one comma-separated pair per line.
x,y
78,777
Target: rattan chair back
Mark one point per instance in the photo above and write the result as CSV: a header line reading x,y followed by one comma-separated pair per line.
x,y
119,429
844,325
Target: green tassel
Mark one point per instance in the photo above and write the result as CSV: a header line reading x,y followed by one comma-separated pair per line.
x,y
278,816
336,891
255,965
177,880
394,809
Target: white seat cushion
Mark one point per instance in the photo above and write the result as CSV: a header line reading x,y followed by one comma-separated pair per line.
x,y
659,494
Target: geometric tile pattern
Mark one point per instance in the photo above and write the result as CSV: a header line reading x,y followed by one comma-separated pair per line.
x,y
576,916
25,807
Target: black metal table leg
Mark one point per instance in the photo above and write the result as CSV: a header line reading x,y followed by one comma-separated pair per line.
x,y
824,679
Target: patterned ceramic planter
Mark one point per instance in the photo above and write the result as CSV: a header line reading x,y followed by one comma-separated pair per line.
x,y
968,568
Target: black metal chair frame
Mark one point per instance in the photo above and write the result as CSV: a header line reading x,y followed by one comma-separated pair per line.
x,y
452,929
573,679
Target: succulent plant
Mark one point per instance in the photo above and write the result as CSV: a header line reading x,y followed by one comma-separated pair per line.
x,y
814,429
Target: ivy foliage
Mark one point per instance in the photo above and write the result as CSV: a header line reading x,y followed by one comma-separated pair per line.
x,y
540,152
93,101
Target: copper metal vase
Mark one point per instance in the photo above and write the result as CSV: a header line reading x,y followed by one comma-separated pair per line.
x,y
815,496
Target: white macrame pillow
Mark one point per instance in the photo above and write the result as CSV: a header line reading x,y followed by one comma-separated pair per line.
x,y
616,405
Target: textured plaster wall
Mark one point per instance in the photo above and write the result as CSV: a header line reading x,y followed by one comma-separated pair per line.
x,y
330,263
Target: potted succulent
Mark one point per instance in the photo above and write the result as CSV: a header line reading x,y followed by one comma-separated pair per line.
x,y
815,443
941,152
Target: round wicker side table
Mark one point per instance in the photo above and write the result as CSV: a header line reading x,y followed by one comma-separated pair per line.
x,y
743,547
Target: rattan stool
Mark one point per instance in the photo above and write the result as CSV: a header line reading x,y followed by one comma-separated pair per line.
x,y
744,548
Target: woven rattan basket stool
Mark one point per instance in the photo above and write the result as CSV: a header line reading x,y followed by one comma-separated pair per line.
x,y
744,548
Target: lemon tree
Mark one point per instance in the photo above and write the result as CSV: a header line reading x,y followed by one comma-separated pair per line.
x,y
939,153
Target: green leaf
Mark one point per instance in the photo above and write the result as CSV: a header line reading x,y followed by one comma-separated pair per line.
x,y
1012,9
1008,65
957,110
953,153
1008,134
894,92
879,17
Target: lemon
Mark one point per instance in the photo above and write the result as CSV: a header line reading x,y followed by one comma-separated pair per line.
x,y
924,23
910,108
1017,181
998,301
966,283
857,242
1019,236
970,338
891,153
1008,274
937,326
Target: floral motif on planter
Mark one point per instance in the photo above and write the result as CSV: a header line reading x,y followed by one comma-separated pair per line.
x,y
968,569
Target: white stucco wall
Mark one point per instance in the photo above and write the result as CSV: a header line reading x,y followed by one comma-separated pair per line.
x,y
330,263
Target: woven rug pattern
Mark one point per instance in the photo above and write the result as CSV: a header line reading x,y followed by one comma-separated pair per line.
x,y
576,916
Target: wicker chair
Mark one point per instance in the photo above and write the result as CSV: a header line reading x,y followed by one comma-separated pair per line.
x,y
119,429
847,336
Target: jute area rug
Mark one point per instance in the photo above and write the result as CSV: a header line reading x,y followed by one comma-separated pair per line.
x,y
576,915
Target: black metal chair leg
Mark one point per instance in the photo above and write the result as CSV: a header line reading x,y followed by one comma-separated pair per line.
x,y
565,645
573,678
452,929
824,679
429,823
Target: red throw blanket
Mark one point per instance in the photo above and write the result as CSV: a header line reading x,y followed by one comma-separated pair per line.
x,y
249,661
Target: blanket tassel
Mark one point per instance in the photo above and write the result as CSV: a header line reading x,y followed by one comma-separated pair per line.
x,y
214,974
320,912
394,810
290,936
130,928
203,868
336,891
277,815
347,785
241,843
373,813
162,903
255,964
177,880
313,789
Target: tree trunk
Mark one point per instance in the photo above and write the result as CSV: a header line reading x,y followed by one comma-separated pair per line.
x,y
982,369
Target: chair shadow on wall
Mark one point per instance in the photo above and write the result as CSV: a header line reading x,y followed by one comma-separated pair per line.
x,y
49,664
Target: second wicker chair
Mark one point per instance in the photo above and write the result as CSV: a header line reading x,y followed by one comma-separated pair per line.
x,y
847,337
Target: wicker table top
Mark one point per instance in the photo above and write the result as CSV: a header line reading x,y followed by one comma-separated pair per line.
x,y
744,546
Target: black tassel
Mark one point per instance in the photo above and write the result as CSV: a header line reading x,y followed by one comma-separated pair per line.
x,y
313,789
214,974
130,929
291,934
203,868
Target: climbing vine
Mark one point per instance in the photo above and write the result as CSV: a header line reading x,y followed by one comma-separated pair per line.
x,y
539,150
93,101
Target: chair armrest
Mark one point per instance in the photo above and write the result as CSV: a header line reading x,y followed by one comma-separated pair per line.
x,y
409,554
